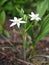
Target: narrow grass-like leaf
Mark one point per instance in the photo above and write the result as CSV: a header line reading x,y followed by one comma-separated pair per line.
x,y
29,31
1,29
2,2
45,21
42,35
6,33
44,28
2,18
42,7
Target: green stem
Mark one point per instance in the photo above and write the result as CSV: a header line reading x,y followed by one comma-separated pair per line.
x,y
24,41
33,48
24,45
28,27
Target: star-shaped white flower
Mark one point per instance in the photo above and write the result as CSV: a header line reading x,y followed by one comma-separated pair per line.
x,y
34,16
17,21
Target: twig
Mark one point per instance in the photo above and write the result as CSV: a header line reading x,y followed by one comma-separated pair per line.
x,y
25,62
7,40
2,53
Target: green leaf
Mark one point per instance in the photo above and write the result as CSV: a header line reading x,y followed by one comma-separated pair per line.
x,y
9,6
20,11
42,7
44,28
6,33
29,31
45,22
2,18
1,29
2,2
42,35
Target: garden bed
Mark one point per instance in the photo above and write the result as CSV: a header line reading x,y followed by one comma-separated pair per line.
x,y
10,57
23,36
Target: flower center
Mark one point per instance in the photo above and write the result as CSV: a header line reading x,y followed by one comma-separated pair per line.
x,y
17,20
35,16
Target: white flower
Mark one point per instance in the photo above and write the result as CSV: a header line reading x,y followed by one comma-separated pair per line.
x,y
35,16
16,21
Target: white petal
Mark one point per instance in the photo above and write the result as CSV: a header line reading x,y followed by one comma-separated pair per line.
x,y
38,18
36,15
32,13
11,20
20,19
22,22
18,24
15,17
32,18
12,24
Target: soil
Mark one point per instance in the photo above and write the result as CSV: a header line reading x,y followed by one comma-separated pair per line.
x,y
10,57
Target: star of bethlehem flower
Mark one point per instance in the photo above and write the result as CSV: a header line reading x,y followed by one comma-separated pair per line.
x,y
17,21
34,16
